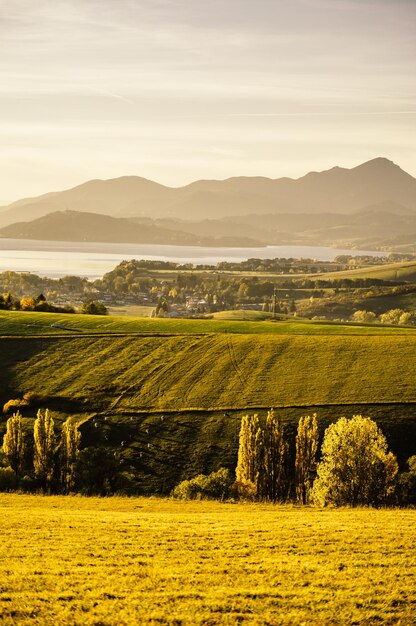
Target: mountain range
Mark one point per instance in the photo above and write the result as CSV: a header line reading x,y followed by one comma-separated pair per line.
x,y
372,204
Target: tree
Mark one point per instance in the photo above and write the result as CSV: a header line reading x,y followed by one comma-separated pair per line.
x,y
271,452
93,308
28,304
44,447
305,464
14,442
356,467
363,316
70,440
247,463
391,317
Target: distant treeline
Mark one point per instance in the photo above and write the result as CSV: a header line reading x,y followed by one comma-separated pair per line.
x,y
9,303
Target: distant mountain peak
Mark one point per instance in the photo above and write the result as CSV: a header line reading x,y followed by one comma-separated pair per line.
x,y
337,190
377,163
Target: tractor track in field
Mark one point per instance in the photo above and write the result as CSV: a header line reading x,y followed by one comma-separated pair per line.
x,y
234,361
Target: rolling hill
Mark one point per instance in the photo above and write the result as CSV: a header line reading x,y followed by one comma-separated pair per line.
x,y
383,225
170,395
338,190
83,226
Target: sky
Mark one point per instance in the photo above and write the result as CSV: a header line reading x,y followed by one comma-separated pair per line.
x,y
178,90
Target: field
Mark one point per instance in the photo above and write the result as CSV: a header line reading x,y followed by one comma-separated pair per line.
x,y
395,272
28,323
121,561
168,398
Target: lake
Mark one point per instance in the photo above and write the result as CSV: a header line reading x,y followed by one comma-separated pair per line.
x,y
92,260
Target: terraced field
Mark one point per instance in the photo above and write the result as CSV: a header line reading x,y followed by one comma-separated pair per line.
x,y
175,399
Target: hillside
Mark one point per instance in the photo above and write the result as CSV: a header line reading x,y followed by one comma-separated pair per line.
x,y
380,225
394,272
176,400
337,190
93,227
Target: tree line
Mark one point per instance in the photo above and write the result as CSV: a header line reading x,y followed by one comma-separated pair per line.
x,y
353,465
9,302
53,458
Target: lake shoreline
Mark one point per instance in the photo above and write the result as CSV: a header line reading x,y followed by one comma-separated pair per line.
x,y
56,259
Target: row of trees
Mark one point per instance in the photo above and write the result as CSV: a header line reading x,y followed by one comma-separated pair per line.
x,y
40,304
356,467
393,316
53,458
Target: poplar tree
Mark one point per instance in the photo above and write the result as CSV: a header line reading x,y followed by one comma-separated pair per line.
x,y
272,452
14,442
305,464
70,440
247,463
44,447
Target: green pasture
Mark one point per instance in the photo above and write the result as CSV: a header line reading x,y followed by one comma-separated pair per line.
x,y
169,402
176,372
30,323
394,272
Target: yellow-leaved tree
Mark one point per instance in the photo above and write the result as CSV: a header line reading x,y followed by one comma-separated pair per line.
x,y
14,443
70,440
272,453
356,467
247,463
44,448
305,463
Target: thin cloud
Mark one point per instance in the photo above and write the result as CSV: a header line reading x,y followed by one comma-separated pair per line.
x,y
317,114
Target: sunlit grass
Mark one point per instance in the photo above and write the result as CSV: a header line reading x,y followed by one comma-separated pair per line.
x,y
213,371
147,561
25,323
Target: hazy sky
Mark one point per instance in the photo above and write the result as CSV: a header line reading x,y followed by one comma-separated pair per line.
x,y
176,90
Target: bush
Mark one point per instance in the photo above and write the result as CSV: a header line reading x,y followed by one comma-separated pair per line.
x,y
14,404
28,484
215,486
93,308
406,484
8,479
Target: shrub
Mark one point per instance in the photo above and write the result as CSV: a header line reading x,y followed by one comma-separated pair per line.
x,y
8,479
93,308
12,405
406,484
215,486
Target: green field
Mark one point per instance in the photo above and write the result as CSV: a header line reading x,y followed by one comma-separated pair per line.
x,y
26,323
168,397
394,272
90,561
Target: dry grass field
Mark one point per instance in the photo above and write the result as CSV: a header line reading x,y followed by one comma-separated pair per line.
x,y
90,561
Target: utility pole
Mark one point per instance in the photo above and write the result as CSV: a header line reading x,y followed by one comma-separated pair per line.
x,y
274,303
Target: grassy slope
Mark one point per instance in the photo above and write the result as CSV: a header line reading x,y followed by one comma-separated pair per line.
x,y
400,272
404,271
133,373
176,398
29,323
197,563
